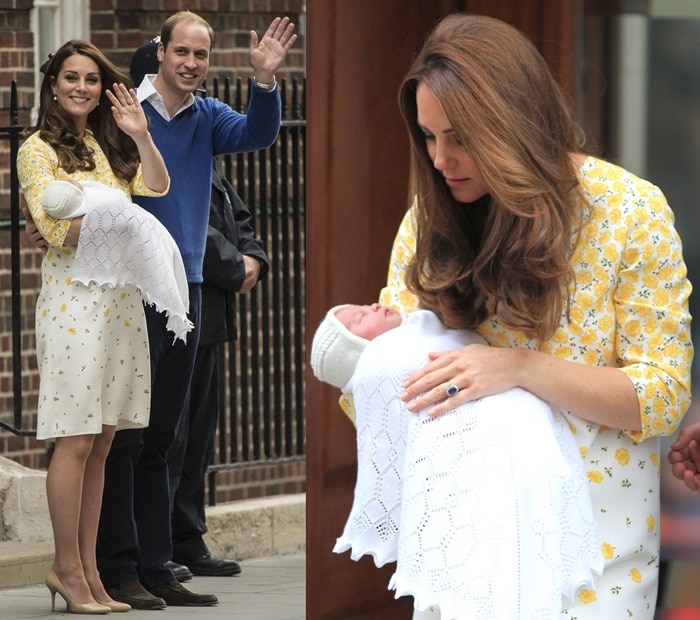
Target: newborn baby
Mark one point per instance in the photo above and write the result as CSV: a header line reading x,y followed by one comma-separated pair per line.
x,y
121,243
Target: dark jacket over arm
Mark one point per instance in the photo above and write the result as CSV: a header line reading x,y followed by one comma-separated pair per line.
x,y
230,236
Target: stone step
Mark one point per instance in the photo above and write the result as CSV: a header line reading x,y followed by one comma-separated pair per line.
x,y
254,528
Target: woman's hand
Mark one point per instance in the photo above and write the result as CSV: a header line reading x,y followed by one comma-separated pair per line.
x,y
267,54
32,232
477,370
131,119
127,111
599,394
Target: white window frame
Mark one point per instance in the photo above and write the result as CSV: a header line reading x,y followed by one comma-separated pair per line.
x,y
54,22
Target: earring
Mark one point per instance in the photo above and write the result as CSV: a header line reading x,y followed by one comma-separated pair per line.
x,y
54,97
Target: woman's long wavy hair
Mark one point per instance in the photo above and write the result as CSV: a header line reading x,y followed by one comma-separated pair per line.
x,y
509,252
57,128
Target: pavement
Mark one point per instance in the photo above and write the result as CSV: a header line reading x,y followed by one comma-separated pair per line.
x,y
269,588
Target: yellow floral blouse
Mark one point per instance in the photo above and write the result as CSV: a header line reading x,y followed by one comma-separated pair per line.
x,y
629,310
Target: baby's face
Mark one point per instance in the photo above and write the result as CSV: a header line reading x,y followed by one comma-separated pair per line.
x,y
369,321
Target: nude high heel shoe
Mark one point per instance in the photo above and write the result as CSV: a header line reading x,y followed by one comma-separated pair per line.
x,y
115,606
54,585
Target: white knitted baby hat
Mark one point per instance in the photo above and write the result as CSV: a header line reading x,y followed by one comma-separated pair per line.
x,y
335,350
61,198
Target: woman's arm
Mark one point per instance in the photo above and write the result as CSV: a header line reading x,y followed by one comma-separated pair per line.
x,y
131,119
598,394
37,166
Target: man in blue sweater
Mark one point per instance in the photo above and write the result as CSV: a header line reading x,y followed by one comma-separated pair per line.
x,y
134,540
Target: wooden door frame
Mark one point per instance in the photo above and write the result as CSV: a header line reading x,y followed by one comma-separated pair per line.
x,y
357,160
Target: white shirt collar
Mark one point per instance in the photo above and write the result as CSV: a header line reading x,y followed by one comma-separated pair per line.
x,y
147,92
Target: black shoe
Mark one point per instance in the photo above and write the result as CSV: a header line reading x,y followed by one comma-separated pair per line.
x,y
180,571
134,594
177,595
211,566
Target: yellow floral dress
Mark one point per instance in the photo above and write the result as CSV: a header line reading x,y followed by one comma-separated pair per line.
x,y
629,310
92,343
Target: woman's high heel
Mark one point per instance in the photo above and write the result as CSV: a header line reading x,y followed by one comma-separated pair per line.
x,y
54,585
115,606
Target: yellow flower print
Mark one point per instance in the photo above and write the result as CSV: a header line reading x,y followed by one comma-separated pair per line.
x,y
591,256
620,234
584,277
610,252
408,300
599,187
588,338
654,457
71,331
106,312
641,216
576,314
590,357
600,288
585,300
635,351
564,352
622,456
658,424
69,280
673,350
50,278
664,247
666,273
626,291
127,323
650,281
605,324
655,341
651,523
659,406
64,307
614,215
604,239
651,325
587,596
122,296
635,575
560,336
595,476
44,313
661,297
632,328
608,550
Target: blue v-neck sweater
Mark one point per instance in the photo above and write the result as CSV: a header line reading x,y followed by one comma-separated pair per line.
x,y
188,142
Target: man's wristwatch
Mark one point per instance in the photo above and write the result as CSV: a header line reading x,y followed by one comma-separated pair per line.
x,y
265,86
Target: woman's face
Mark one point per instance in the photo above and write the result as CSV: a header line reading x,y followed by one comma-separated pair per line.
x,y
444,148
78,87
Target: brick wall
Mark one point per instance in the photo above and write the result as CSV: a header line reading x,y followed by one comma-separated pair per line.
x,y
118,27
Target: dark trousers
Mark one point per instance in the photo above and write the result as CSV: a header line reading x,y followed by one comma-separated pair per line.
x,y
191,454
133,539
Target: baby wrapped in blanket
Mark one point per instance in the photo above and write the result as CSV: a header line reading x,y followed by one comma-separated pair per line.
x,y
485,509
121,243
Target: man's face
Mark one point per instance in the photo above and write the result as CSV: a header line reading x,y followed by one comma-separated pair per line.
x,y
185,62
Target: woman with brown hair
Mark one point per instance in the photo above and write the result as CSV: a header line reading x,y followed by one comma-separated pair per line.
x,y
567,265
92,344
